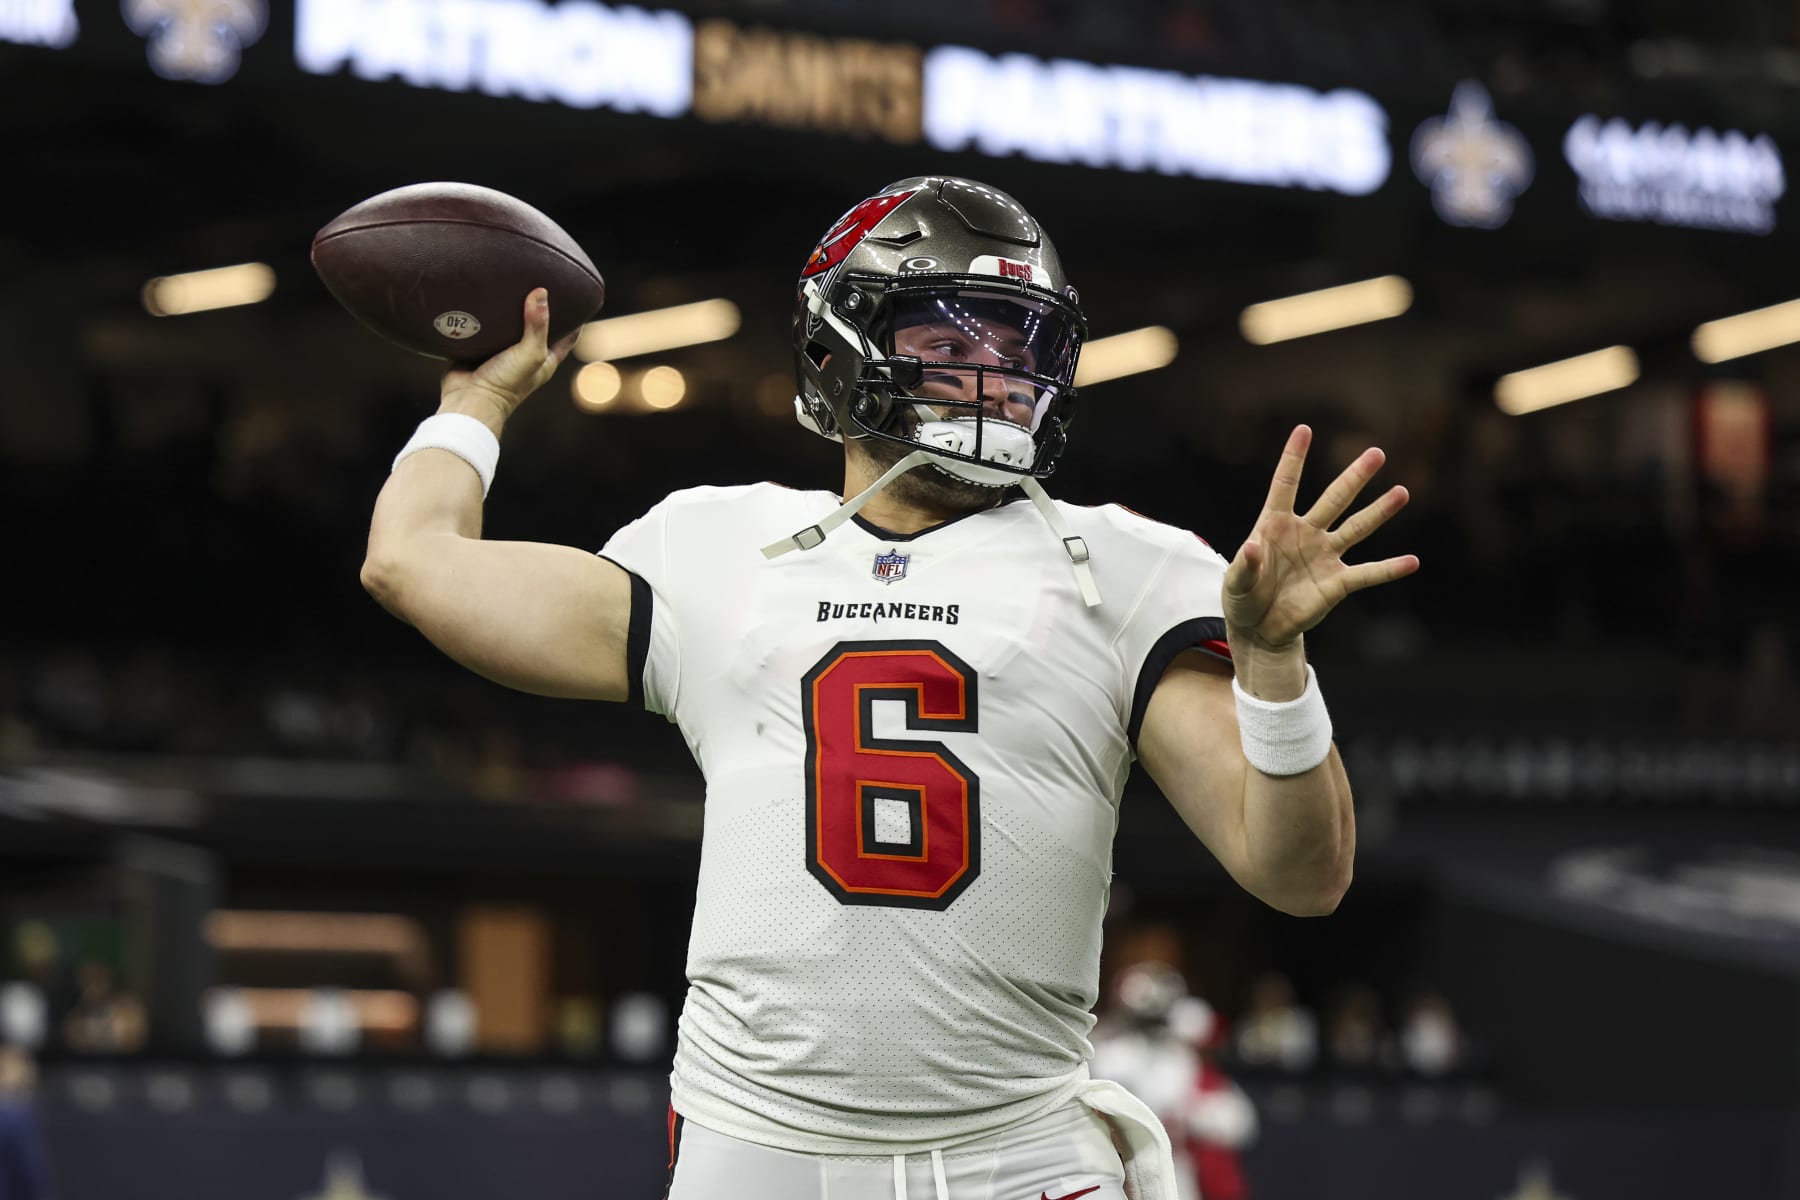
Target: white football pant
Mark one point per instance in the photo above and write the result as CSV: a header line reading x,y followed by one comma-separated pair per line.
x,y
1066,1153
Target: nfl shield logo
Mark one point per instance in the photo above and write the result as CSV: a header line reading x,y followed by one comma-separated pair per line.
x,y
890,567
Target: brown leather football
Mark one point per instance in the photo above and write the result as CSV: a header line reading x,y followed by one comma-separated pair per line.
x,y
444,268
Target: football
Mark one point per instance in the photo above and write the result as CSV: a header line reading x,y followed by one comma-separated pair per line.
x,y
444,268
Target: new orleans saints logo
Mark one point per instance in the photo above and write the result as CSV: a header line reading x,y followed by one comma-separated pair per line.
x,y
1474,165
197,40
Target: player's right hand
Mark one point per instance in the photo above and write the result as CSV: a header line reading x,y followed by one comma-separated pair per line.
x,y
492,391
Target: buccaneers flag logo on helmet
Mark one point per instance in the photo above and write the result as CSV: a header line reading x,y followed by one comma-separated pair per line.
x,y
852,228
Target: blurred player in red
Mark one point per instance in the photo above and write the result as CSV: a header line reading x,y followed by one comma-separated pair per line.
x,y
915,704
1158,1041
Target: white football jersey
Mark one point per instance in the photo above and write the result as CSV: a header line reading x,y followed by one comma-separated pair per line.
x,y
914,749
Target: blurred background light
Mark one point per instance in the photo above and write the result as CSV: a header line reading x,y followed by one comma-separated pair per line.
x,y
596,385
1327,309
200,291
662,387
1122,354
658,330
1566,380
1748,333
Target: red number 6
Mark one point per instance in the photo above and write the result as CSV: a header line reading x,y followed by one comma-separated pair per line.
x,y
851,774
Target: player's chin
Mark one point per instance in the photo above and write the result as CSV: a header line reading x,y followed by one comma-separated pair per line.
x,y
929,486
933,486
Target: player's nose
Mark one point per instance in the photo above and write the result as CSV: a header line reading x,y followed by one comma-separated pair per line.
x,y
996,388
1007,404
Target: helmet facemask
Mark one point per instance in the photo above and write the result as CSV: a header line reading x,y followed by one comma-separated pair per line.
x,y
978,371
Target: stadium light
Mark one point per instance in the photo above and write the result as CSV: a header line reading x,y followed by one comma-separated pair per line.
x,y
1146,349
597,385
1325,310
199,291
1568,379
657,330
1748,333
662,387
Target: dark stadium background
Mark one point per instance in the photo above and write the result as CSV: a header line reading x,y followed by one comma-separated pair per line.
x,y
1574,737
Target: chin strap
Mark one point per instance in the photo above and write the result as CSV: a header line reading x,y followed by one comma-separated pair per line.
x,y
1073,545
813,535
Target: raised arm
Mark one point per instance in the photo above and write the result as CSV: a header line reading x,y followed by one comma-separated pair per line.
x,y
540,618
1287,834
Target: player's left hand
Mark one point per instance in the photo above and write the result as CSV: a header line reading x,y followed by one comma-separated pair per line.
x,y
1290,571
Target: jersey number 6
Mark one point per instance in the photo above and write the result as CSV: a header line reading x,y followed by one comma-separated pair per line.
x,y
890,821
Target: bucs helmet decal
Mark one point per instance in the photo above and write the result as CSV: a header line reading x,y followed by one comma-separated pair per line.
x,y
850,229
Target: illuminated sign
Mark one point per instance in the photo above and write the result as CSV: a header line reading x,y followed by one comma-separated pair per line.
x,y
1475,166
578,53
801,81
201,43
1673,176
1277,135
39,22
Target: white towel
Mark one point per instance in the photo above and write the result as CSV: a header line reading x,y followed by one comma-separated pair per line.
x,y
1143,1143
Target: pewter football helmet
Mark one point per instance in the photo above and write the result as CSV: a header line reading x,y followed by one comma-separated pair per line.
x,y
955,256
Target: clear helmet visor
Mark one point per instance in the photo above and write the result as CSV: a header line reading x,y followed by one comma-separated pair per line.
x,y
1002,356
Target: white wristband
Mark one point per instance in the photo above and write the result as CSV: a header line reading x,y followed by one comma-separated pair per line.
x,y
1284,737
461,435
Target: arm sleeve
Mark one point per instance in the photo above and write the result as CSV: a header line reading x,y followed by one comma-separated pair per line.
x,y
1177,610
652,647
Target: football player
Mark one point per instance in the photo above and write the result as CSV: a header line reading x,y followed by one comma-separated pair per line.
x,y
915,705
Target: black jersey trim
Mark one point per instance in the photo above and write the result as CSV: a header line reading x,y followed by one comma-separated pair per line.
x,y
637,633
1189,635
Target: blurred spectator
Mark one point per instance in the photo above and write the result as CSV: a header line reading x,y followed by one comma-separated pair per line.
x,y
451,1024
1275,1031
329,1024
104,1019
1431,1043
24,1015
23,1172
230,1022
1157,1040
1356,1040
40,988
640,1027
1221,1120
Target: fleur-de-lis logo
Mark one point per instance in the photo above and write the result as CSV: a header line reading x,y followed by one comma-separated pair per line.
x,y
1474,165
197,40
